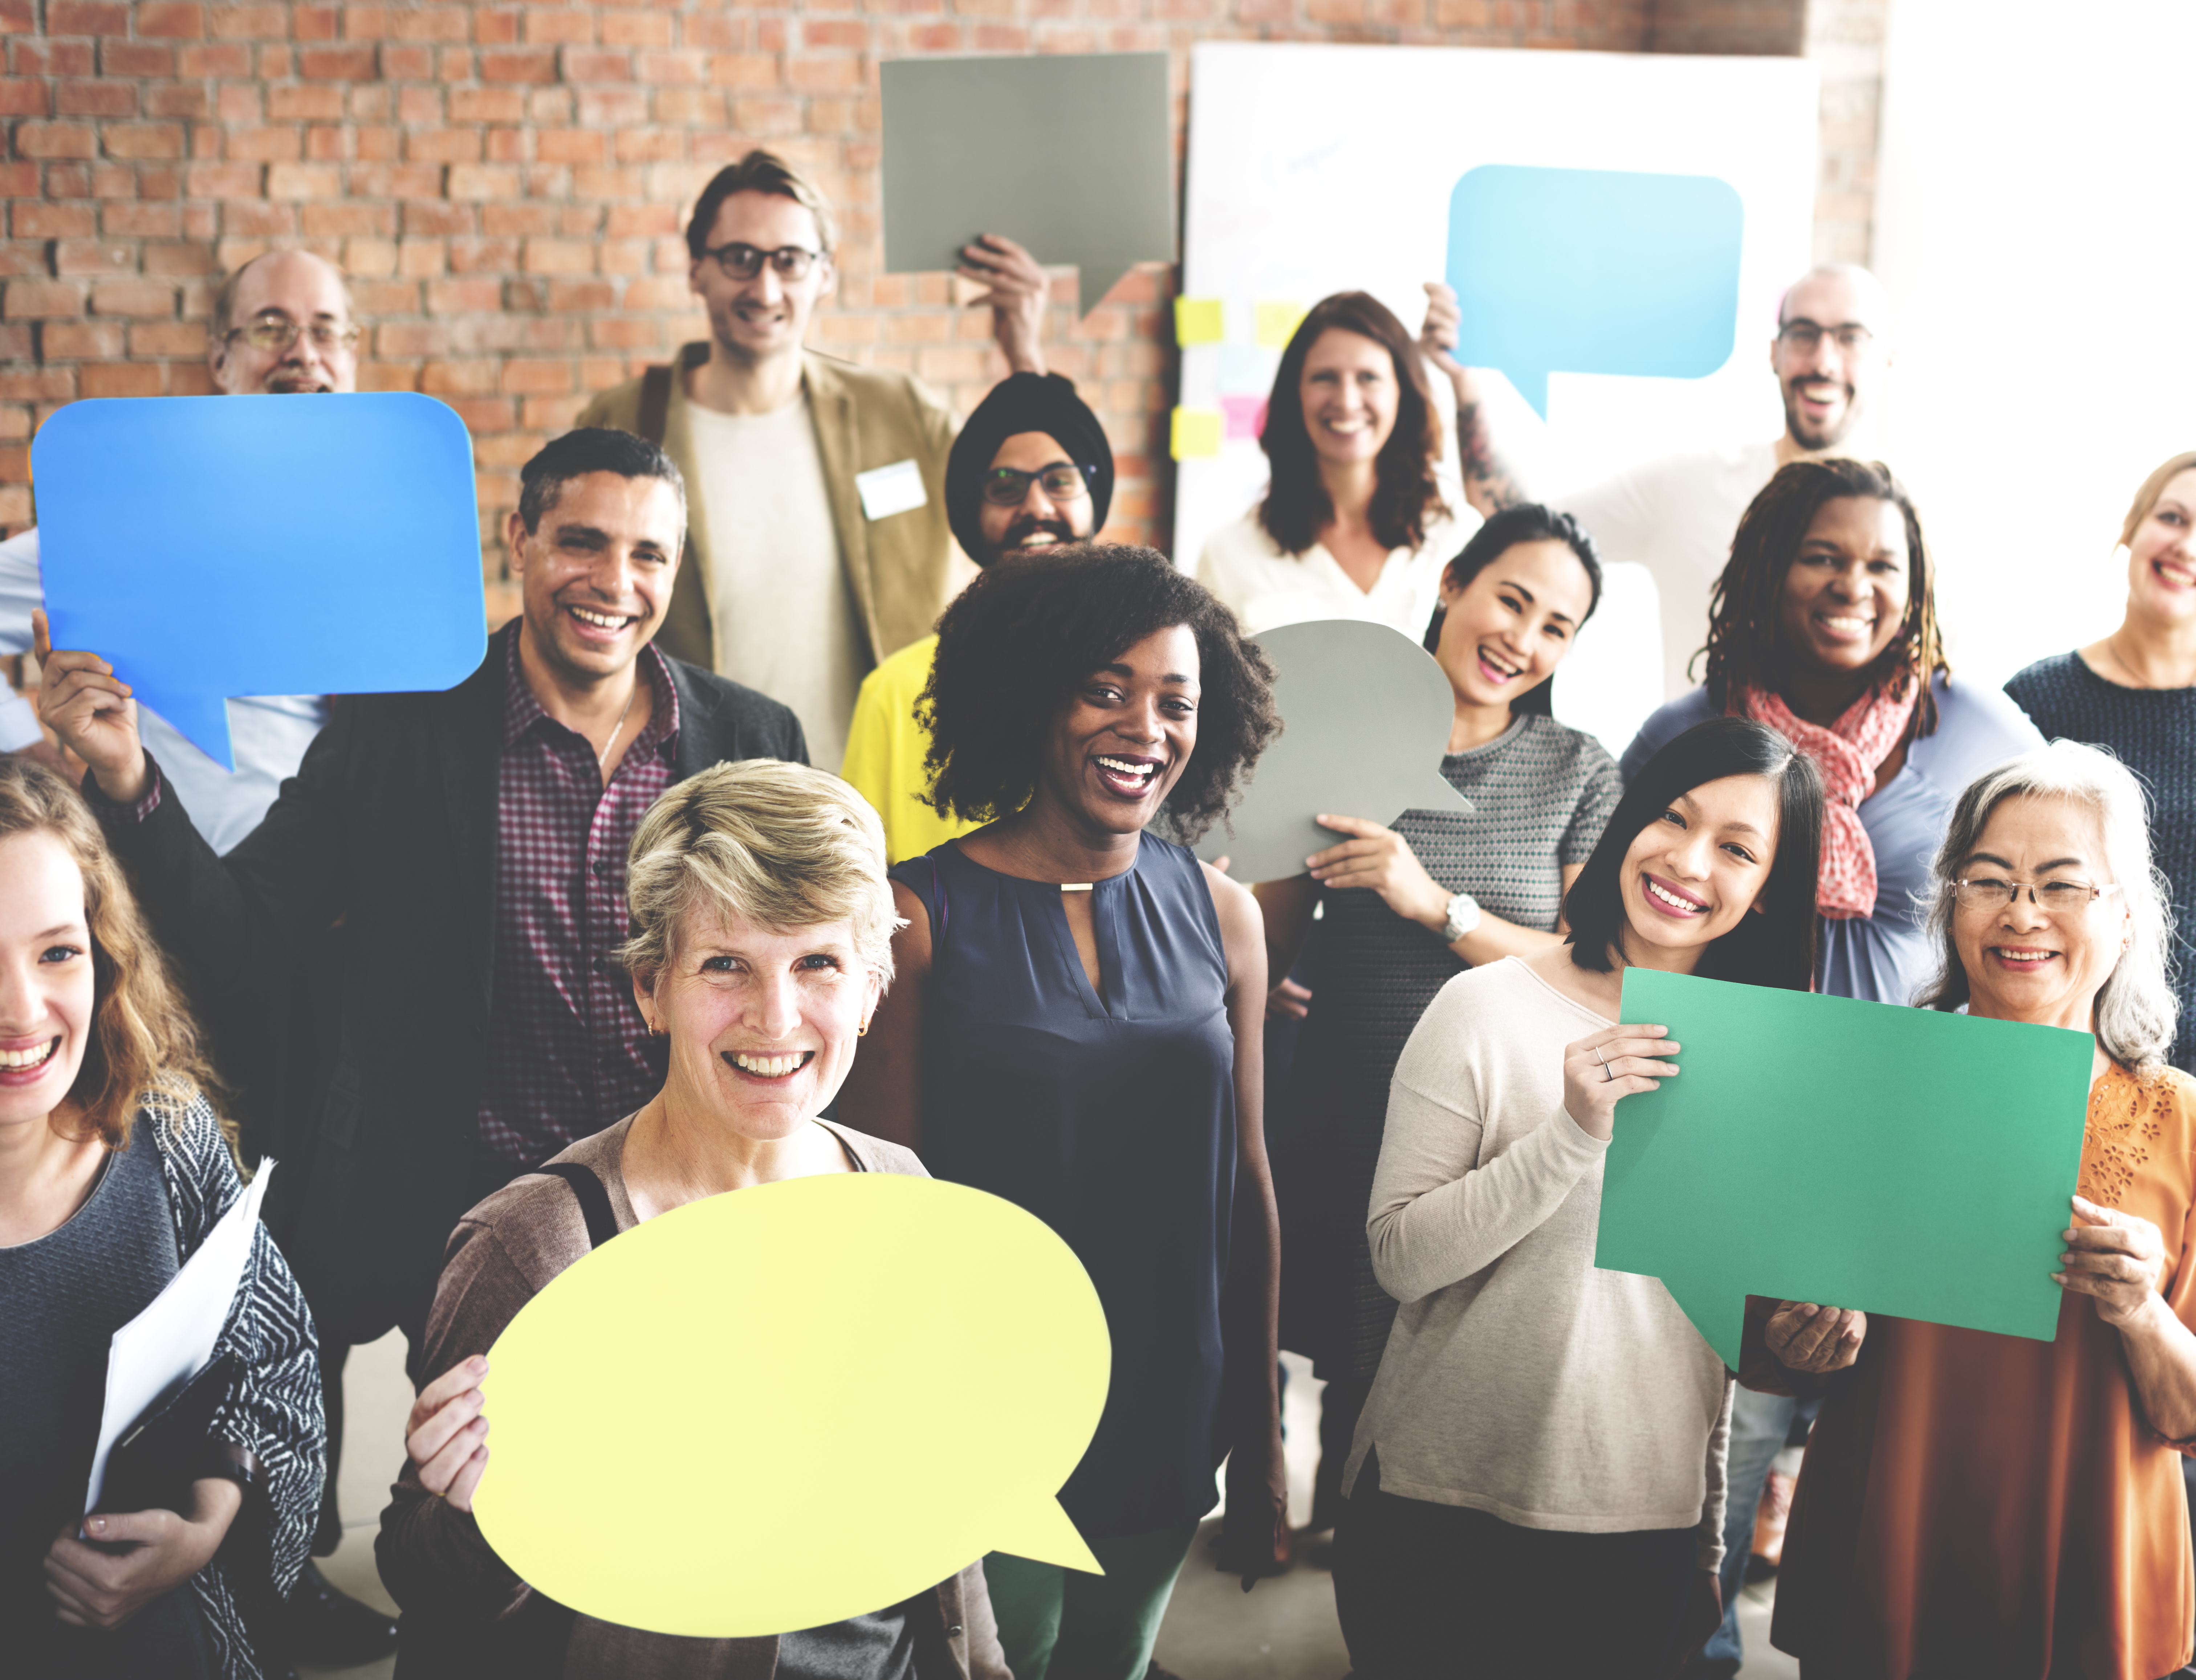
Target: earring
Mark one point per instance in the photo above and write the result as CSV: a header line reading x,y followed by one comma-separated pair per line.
x,y
654,1030
863,1031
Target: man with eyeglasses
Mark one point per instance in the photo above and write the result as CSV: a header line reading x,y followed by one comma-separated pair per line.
x,y
1676,515
818,544
1031,470
282,324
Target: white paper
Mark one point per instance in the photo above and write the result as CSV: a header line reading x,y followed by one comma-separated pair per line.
x,y
887,490
172,1340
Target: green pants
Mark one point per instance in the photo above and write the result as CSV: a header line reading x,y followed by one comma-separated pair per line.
x,y
1063,1624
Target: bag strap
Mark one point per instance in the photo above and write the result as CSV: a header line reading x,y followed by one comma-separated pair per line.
x,y
655,403
594,1199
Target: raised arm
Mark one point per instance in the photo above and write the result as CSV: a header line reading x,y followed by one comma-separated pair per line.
x,y
1491,483
1017,287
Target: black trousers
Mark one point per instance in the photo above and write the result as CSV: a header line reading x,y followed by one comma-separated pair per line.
x,y
1427,1592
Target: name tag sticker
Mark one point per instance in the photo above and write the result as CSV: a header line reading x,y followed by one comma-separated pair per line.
x,y
887,490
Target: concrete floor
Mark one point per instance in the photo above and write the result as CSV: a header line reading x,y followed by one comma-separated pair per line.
x,y
1284,1629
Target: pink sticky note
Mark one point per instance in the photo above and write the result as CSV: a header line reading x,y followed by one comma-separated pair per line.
x,y
1245,416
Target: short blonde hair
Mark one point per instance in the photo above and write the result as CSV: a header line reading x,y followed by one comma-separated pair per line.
x,y
2154,486
779,844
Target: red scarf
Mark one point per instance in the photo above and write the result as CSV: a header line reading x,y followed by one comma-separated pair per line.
x,y
1848,754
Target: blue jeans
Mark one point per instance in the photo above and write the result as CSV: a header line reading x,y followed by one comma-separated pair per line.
x,y
1758,1426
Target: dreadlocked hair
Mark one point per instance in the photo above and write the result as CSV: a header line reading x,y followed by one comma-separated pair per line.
x,y
1742,649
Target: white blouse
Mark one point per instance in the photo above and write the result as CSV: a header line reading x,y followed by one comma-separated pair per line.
x,y
1264,587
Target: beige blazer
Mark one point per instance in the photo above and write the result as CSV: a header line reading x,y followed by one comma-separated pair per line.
x,y
900,568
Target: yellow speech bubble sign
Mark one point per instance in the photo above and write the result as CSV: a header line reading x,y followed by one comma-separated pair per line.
x,y
785,1405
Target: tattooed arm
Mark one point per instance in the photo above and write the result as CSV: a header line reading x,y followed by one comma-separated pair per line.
x,y
1490,482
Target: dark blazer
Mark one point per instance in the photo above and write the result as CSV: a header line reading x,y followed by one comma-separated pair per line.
x,y
388,834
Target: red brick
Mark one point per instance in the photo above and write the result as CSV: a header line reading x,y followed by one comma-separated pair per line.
x,y
224,61
304,104
744,70
164,337
303,181
143,140
94,256
174,258
545,27
480,294
569,146
16,17
558,257
249,217
506,145
51,58
336,64
537,378
168,21
57,139
530,65
671,69
592,66
479,180
178,99
612,108
133,297
52,221
406,341
21,96
78,99
423,221
141,221
345,218
501,219
42,300
446,25
313,23
249,23
122,379
443,146
397,180
136,58
86,17
407,64
84,341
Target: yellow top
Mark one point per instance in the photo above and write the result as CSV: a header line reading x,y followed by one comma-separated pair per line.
x,y
885,750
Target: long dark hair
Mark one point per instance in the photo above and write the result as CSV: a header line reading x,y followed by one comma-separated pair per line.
x,y
1524,521
1406,496
1774,949
1742,613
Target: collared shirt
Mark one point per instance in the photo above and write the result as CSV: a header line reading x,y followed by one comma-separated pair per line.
x,y
565,1054
268,734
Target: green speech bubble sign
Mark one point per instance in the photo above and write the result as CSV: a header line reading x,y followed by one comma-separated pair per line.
x,y
1900,1160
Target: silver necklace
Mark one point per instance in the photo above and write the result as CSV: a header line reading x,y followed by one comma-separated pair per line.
x,y
602,758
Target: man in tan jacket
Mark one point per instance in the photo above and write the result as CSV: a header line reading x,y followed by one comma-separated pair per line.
x,y
817,542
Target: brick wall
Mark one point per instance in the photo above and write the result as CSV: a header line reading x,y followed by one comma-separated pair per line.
x,y
505,182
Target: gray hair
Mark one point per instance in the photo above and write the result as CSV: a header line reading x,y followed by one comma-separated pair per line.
x,y
2136,1009
779,844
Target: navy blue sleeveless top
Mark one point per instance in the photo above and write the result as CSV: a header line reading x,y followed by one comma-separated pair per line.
x,y
1112,1119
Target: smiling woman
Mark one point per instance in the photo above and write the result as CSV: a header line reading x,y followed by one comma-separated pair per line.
x,y
762,942
1076,1027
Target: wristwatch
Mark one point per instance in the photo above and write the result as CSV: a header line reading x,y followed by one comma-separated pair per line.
x,y
1463,917
228,1462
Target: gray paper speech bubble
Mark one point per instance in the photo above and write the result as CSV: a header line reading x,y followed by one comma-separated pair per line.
x,y
1365,714
1070,155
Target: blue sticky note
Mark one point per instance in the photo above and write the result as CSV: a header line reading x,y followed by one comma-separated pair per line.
x,y
215,546
1593,271
1245,370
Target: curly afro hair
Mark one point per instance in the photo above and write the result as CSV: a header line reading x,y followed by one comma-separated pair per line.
x,y
1023,639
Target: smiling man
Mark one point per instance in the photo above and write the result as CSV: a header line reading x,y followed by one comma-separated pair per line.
x,y
817,546
472,845
1676,515
1031,471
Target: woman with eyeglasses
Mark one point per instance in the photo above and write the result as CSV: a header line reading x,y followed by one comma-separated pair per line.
x,y
2134,695
1353,524
1980,1504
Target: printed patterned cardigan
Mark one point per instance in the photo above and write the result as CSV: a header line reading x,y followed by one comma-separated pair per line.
x,y
274,1410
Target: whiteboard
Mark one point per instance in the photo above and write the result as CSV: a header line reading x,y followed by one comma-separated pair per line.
x,y
1320,169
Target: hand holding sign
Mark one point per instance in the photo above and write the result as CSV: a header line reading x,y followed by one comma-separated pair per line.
x,y
1774,1166
82,700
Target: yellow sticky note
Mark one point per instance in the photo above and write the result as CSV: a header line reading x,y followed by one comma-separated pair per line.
x,y
1200,321
789,1404
1277,323
1196,431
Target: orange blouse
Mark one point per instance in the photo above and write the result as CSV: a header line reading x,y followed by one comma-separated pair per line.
x,y
1974,1503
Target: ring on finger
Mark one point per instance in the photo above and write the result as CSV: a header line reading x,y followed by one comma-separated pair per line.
x,y
1607,1075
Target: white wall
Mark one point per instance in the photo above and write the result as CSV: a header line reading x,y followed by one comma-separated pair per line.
x,y
2034,222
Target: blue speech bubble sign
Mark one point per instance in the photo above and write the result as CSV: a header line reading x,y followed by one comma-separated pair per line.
x,y
1593,271
215,546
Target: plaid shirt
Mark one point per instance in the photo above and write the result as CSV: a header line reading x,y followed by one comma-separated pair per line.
x,y
565,1054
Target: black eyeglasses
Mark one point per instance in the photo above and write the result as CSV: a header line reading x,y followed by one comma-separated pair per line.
x,y
742,262
278,333
1008,487
1804,334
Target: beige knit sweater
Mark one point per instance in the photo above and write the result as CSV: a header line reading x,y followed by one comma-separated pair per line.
x,y
1519,1379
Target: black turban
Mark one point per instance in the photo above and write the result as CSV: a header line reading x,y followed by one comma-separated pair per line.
x,y
1021,402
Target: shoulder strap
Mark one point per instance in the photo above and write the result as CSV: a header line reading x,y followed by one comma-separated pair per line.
x,y
655,403
594,1199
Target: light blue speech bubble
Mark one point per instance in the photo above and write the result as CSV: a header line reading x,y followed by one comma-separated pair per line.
x,y
215,546
1593,271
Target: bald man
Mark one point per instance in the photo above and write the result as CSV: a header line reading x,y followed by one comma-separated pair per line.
x,y
282,324
1676,515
